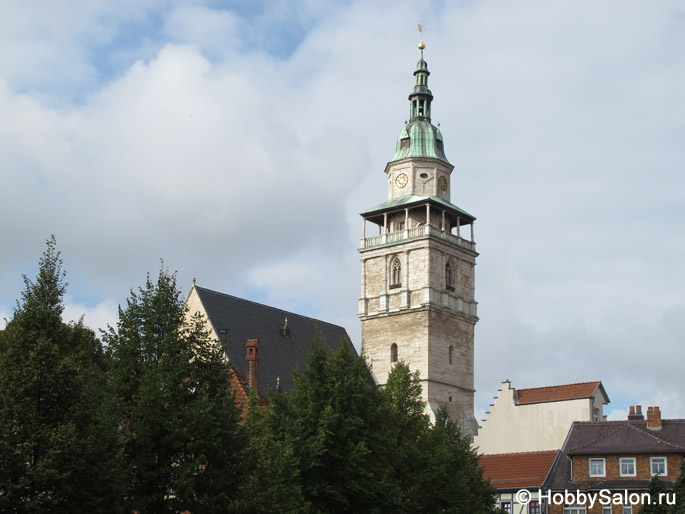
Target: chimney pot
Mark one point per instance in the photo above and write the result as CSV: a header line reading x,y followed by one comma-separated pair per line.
x,y
635,413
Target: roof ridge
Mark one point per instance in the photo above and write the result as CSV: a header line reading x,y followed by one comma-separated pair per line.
x,y
267,306
537,452
653,436
560,385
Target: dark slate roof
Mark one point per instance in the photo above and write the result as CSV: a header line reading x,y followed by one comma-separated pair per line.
x,y
279,353
608,438
626,437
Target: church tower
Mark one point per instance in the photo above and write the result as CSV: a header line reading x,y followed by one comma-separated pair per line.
x,y
417,294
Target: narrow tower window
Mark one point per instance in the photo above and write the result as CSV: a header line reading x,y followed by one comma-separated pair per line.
x,y
393,353
395,273
451,354
449,276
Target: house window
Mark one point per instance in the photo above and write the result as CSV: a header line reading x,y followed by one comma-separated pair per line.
x,y
393,353
534,507
606,509
395,273
574,509
451,354
627,465
505,506
595,414
657,466
627,509
597,468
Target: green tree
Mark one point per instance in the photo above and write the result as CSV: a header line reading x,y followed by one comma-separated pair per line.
x,y
56,446
434,468
657,502
406,426
270,477
450,480
679,492
171,391
333,421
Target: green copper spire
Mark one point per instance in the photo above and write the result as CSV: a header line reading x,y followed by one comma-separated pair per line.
x,y
419,137
421,97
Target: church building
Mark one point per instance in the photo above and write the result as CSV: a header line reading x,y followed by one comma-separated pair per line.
x,y
264,344
417,300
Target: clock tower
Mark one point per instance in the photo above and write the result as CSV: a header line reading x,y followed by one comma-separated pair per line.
x,y
417,294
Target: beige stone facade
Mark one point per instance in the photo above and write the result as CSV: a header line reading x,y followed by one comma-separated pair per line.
x,y
423,176
514,425
431,324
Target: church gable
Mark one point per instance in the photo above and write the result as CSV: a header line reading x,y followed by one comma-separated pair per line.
x,y
284,337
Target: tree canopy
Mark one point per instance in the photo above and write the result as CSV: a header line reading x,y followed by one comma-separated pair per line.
x,y
56,445
657,503
363,449
170,388
150,424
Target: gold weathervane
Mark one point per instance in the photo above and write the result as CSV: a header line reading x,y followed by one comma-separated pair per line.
x,y
421,29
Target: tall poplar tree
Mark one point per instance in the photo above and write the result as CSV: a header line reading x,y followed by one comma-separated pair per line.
x,y
56,447
433,466
270,481
333,420
171,392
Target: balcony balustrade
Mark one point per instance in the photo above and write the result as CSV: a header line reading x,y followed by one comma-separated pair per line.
x,y
415,233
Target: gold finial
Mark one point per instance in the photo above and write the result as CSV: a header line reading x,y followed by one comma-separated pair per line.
x,y
278,380
286,322
421,29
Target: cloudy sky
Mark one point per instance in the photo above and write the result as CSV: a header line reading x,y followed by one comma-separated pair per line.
x,y
238,141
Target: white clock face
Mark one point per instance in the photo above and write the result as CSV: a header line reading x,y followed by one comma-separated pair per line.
x,y
401,180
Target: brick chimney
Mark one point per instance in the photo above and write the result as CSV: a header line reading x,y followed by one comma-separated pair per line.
x,y
635,413
252,358
653,418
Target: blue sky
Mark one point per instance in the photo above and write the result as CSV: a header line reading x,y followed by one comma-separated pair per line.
x,y
238,141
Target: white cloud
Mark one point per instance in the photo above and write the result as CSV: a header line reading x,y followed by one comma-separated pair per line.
x,y
617,415
97,317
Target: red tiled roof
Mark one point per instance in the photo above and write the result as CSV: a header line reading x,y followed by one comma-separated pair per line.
x,y
241,391
556,393
516,470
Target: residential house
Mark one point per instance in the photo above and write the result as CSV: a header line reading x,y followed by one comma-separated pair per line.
x,y
512,474
609,458
539,418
